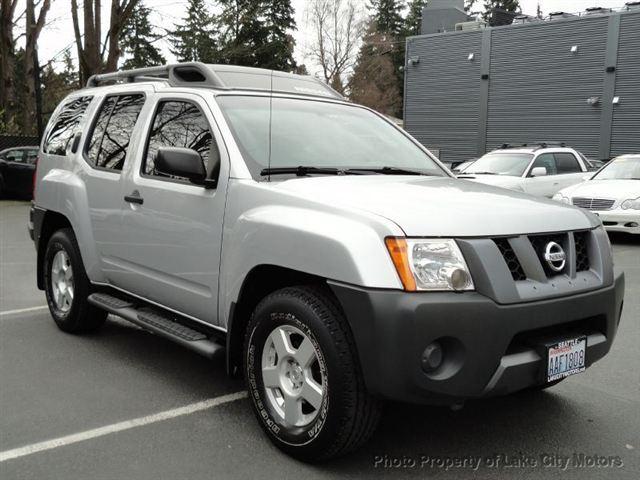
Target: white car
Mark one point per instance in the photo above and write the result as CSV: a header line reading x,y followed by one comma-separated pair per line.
x,y
613,193
540,170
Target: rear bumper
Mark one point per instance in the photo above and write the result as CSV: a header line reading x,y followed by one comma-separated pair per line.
x,y
489,349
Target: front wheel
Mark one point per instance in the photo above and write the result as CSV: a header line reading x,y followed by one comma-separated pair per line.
x,y
67,286
303,375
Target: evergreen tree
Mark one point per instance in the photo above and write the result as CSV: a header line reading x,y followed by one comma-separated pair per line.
x,y
277,54
257,33
413,22
388,16
506,5
387,21
137,39
242,31
194,39
374,82
57,85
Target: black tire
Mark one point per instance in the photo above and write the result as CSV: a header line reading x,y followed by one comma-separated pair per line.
x,y
349,414
81,316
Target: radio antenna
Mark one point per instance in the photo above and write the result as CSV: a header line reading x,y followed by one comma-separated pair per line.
x,y
270,118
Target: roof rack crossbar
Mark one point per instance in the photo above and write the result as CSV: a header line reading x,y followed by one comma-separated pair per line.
x,y
128,75
534,144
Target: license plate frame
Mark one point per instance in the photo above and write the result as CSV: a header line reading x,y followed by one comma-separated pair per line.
x,y
565,358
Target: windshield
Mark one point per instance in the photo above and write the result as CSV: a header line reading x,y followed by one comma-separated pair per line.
x,y
502,163
621,168
318,134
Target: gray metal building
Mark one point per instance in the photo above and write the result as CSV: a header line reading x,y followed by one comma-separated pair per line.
x,y
573,79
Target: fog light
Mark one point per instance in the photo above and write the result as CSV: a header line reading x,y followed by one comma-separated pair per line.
x,y
431,357
459,279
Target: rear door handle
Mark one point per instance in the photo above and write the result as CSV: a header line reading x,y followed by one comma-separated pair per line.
x,y
134,198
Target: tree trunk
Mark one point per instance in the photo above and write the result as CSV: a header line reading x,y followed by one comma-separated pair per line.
x,y
7,89
90,54
32,32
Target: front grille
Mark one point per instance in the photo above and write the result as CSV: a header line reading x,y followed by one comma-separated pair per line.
x,y
540,242
518,255
510,257
593,203
582,251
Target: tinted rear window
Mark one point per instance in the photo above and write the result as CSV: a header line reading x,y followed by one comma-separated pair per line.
x,y
66,125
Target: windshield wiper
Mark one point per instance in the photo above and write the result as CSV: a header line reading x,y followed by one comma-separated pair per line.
x,y
303,170
391,171
478,173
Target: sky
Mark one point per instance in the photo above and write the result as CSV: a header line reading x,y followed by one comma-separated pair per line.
x,y
58,34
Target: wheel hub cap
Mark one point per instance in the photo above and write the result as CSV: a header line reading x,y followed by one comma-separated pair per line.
x,y
295,384
62,286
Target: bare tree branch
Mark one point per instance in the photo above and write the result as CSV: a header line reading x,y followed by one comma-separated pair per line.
x,y
338,28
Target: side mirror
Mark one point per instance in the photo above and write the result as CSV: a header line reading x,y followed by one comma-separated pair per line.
x,y
181,162
539,172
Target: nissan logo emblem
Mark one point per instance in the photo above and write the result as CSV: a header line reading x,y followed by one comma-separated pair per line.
x,y
555,256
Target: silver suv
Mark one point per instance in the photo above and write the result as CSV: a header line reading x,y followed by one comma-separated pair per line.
x,y
328,255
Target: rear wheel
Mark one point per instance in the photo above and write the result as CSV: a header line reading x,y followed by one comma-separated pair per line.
x,y
304,378
67,286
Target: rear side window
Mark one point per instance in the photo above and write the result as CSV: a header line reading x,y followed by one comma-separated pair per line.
x,y
112,131
178,124
567,163
66,125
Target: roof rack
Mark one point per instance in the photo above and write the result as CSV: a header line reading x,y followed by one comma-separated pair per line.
x,y
534,145
224,77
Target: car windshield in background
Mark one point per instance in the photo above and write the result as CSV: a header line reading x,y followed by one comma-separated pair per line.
x,y
319,135
503,163
621,168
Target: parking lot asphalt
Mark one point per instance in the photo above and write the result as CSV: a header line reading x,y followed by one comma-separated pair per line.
x,y
54,385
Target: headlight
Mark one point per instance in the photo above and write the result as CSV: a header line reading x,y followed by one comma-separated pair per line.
x,y
631,204
558,197
429,264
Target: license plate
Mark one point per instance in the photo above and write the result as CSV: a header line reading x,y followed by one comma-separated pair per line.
x,y
566,358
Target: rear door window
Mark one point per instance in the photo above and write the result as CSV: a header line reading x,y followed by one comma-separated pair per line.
x,y
66,125
567,163
111,135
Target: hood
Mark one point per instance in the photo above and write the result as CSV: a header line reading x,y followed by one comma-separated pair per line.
x,y
441,206
504,181
612,189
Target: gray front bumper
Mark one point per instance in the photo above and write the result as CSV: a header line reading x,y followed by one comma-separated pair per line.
x,y
490,348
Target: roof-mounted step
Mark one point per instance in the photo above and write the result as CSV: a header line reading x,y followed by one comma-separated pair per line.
x,y
158,322
223,77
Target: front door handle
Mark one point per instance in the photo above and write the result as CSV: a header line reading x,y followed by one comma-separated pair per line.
x,y
134,198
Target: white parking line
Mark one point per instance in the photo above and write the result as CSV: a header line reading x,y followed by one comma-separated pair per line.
x,y
119,427
22,310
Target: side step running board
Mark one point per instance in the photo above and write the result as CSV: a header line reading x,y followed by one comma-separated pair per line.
x,y
157,322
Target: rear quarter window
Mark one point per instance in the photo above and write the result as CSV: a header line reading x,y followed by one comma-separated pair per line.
x,y
66,125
